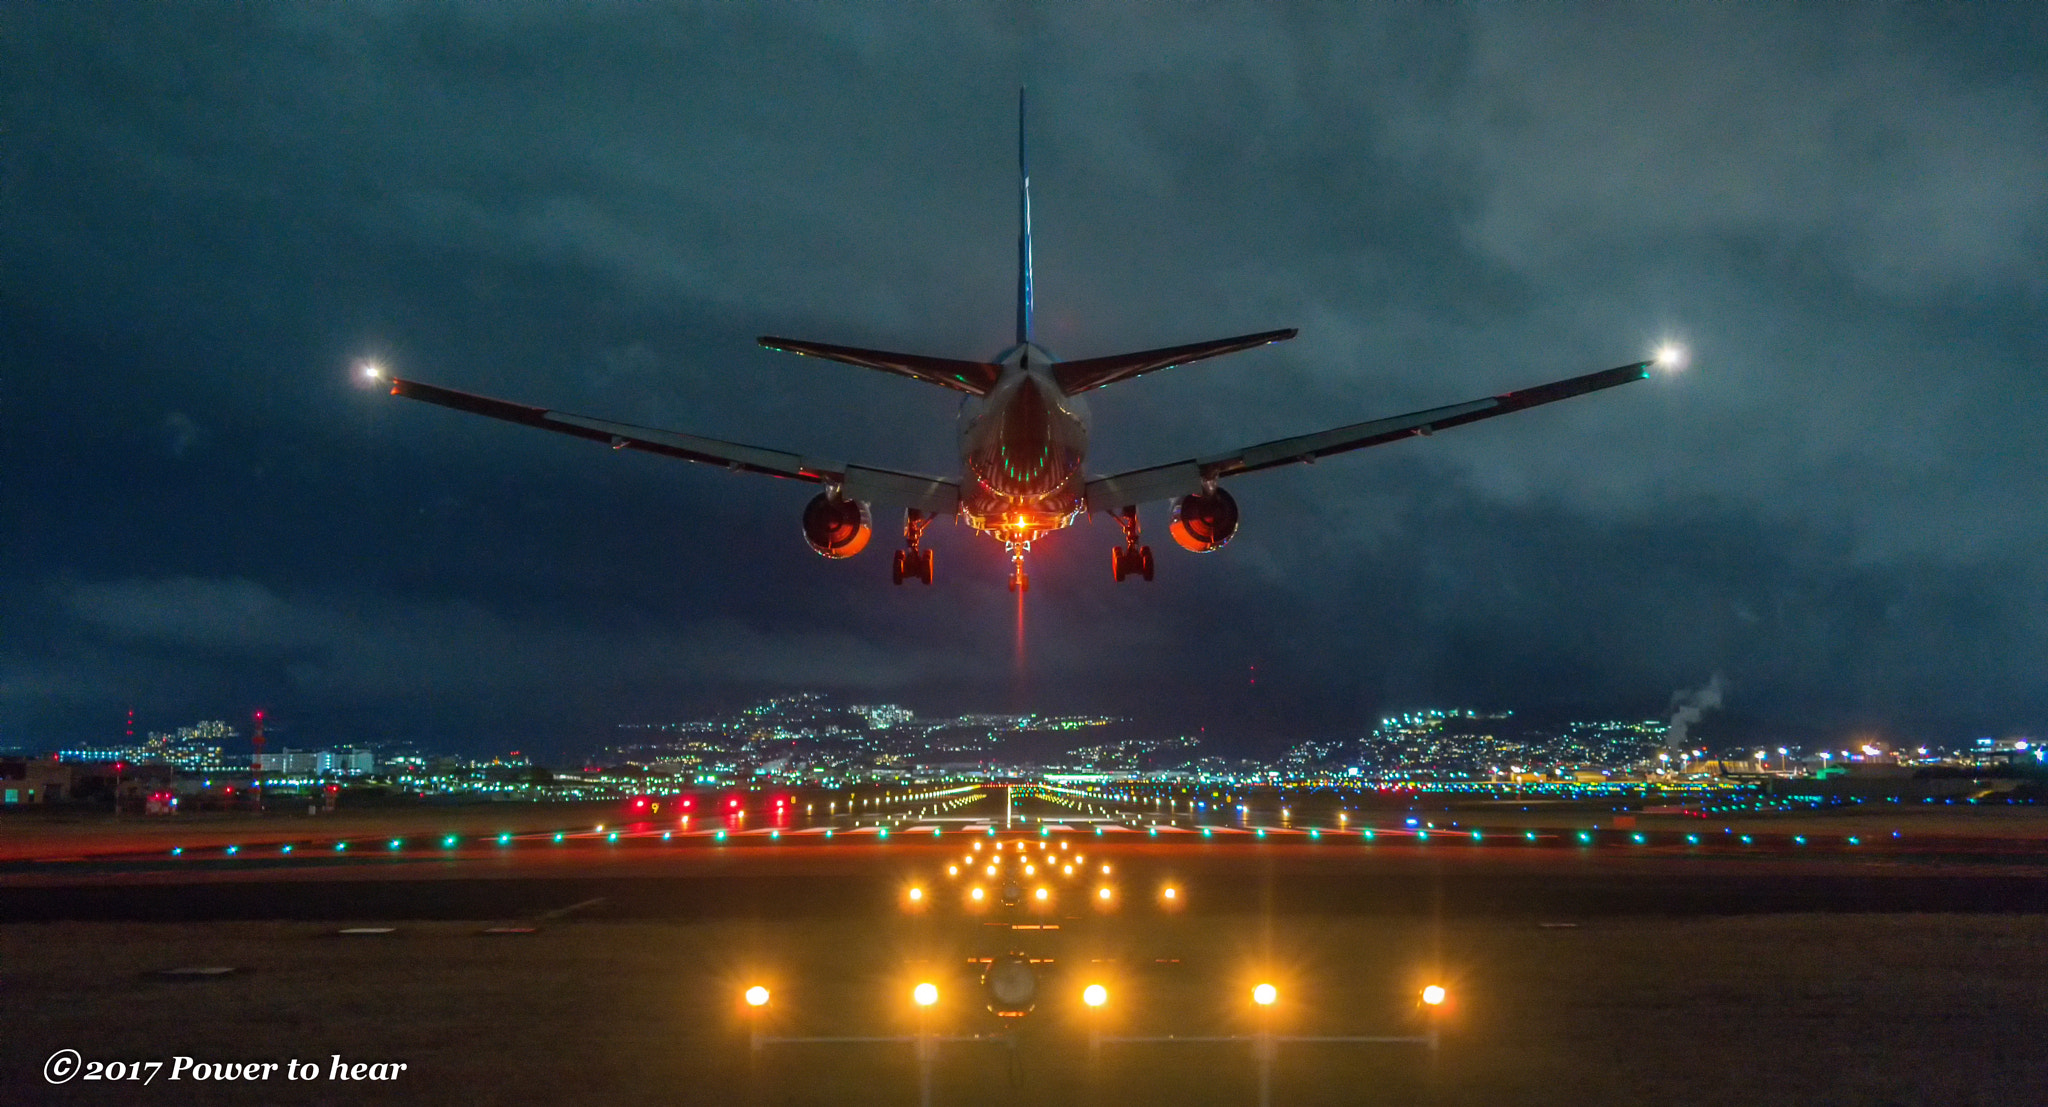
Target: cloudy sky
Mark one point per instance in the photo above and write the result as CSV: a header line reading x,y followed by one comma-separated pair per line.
x,y
208,213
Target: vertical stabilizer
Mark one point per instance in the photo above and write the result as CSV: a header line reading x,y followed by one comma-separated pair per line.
x,y
1023,231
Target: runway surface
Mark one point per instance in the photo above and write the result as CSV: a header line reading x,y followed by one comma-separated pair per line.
x,y
1589,963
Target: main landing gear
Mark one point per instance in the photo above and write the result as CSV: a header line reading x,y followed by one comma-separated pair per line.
x,y
913,563
1133,559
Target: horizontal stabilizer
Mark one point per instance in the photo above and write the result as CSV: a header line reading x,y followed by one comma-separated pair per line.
x,y
1076,377
973,377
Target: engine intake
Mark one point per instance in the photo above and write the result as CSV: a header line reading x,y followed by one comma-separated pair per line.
x,y
837,527
1204,521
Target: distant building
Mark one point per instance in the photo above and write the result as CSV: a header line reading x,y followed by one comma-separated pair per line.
x,y
314,763
34,780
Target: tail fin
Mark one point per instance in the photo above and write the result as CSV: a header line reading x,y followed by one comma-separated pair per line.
x,y
1023,232
1079,376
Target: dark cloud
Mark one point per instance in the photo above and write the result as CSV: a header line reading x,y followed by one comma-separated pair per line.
x,y
211,211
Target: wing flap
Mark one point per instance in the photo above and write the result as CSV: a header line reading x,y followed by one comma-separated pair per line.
x,y
1076,377
882,486
1161,482
972,377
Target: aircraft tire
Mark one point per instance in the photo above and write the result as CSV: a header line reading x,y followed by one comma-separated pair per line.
x,y
1145,562
897,570
925,567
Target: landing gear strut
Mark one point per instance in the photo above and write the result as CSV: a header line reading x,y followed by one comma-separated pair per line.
x,y
913,563
1019,582
1132,559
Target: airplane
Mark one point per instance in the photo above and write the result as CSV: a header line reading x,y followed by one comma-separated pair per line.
x,y
1023,433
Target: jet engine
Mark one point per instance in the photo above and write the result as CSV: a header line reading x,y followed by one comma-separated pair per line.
x,y
836,527
1204,521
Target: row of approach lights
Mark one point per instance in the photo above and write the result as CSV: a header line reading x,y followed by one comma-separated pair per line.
x,y
926,994
1584,837
992,867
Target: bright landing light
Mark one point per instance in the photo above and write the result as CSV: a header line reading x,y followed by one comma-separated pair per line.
x,y
757,996
925,994
369,370
1264,995
1094,995
1433,995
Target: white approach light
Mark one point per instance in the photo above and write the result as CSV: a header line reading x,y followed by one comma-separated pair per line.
x,y
1433,995
1264,995
1095,995
757,996
925,994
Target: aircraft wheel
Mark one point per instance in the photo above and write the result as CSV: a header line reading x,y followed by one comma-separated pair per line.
x,y
1145,562
924,567
900,568
1116,563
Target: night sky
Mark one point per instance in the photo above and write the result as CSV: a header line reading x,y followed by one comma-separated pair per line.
x,y
209,213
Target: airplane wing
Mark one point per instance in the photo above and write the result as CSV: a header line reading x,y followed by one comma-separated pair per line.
x,y
880,486
1183,477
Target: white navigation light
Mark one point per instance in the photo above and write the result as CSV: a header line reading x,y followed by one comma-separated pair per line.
x,y
1671,355
369,370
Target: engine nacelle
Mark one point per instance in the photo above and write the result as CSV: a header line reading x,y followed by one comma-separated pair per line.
x,y
837,527
1204,521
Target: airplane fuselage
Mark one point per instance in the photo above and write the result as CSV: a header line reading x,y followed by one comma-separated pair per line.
x,y
1023,448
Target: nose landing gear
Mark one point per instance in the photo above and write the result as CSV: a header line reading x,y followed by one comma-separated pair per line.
x,y
913,563
1133,559
1019,581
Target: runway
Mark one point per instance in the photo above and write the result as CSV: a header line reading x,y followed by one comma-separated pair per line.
x,y
513,966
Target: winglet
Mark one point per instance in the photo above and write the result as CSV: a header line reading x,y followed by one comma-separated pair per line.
x,y
1023,231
